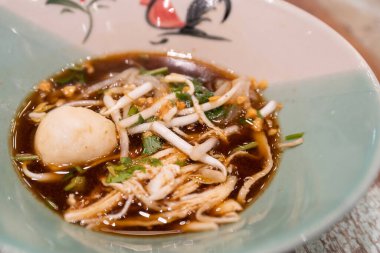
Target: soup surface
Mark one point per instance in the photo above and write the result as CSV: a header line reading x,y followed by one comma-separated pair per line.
x,y
146,144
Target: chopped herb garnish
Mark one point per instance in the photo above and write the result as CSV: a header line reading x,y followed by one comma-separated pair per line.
x,y
76,184
155,72
122,172
133,110
151,144
248,146
139,121
80,169
125,160
216,113
51,204
155,162
151,119
70,75
177,87
201,92
294,136
25,157
184,97
181,163
68,176
244,121
259,114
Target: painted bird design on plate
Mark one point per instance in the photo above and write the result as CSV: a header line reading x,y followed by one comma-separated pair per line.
x,y
162,14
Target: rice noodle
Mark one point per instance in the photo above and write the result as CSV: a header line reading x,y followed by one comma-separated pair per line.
x,y
196,226
225,207
185,189
239,153
123,211
104,204
263,146
227,218
208,176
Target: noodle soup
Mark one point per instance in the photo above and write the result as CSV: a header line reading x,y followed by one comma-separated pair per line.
x,y
146,144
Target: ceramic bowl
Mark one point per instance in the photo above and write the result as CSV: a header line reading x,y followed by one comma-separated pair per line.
x,y
327,89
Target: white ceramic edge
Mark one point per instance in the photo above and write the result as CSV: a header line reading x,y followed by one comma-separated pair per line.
x,y
371,175
374,168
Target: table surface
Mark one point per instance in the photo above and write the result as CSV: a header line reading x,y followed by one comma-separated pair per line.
x,y
359,22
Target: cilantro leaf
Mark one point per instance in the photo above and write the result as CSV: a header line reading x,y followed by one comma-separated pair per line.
x,y
70,75
121,172
216,113
176,87
201,92
151,144
185,97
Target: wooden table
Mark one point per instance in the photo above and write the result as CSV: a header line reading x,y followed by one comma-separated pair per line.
x,y
358,231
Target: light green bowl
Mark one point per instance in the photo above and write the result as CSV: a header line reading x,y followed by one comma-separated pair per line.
x,y
316,183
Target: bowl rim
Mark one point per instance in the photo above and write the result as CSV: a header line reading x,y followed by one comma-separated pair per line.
x,y
329,219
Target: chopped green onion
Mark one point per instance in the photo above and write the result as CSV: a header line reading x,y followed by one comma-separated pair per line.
x,y
155,72
248,146
25,157
294,136
151,144
259,114
76,184
244,121
51,204
133,110
80,169
68,176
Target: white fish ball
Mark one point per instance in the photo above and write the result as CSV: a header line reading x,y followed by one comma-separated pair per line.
x,y
73,136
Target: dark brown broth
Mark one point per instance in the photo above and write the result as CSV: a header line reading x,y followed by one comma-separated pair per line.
x,y
53,193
